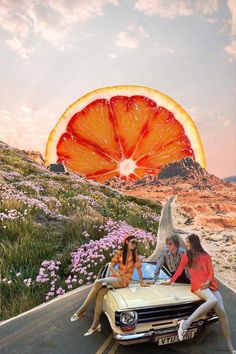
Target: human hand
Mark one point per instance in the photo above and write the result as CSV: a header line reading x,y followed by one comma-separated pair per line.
x,y
144,284
150,282
165,282
205,285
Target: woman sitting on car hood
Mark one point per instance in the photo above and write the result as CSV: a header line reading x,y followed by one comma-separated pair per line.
x,y
127,259
204,284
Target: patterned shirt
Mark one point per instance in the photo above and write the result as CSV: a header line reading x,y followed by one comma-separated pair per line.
x,y
171,261
125,270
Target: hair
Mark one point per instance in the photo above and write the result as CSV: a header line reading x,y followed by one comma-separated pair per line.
x,y
195,249
125,250
174,238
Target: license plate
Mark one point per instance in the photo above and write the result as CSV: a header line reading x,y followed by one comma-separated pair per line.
x,y
173,339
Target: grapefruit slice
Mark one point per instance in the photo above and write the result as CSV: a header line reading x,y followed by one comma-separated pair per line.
x,y
123,131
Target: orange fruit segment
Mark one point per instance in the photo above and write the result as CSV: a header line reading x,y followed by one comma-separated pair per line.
x,y
131,117
163,141
96,115
123,131
81,157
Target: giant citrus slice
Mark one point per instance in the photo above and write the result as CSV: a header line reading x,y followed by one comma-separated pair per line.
x,y
125,131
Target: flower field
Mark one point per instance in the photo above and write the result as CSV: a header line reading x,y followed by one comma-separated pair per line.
x,y
57,230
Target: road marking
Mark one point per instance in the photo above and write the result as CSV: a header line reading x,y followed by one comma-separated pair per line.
x,y
105,344
113,348
47,303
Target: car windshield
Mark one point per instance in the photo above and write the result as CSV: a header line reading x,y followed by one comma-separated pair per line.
x,y
148,270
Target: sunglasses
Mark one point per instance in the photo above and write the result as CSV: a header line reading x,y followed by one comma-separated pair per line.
x,y
134,242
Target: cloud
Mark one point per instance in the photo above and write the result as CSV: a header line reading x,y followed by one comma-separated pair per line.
x,y
19,47
25,21
226,123
26,119
232,8
113,55
212,20
26,127
172,9
28,108
131,38
168,49
231,50
126,40
5,116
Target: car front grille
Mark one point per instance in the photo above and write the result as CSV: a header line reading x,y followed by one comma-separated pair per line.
x,y
160,313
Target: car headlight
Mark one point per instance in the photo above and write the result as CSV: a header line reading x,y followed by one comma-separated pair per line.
x,y
128,317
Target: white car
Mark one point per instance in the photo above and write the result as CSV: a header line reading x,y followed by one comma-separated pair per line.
x,y
141,314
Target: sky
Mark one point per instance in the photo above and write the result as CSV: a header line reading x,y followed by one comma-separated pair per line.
x,y
55,51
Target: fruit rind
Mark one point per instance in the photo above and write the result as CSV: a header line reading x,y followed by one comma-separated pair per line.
x,y
128,90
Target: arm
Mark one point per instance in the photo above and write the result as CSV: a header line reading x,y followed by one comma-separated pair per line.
x,y
115,260
210,270
182,265
113,271
142,283
140,276
138,267
159,264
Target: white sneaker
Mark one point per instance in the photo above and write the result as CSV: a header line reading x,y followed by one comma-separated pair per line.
x,y
181,331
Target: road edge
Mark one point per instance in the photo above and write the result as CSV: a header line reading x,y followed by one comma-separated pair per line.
x,y
74,292
45,304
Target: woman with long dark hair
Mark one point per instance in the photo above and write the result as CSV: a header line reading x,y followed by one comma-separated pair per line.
x,y
203,283
127,259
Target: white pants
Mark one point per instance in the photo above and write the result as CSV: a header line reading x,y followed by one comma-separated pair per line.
x,y
108,280
213,299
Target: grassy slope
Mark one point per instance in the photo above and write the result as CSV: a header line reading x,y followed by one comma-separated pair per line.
x,y
45,216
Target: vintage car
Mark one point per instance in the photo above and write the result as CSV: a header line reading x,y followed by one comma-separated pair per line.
x,y
141,314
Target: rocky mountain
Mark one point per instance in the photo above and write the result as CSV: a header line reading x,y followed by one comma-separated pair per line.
x,y
205,205
36,156
203,199
185,171
230,179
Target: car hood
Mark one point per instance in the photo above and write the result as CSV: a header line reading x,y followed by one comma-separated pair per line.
x,y
154,295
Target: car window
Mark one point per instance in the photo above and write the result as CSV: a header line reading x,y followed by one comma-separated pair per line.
x,y
148,270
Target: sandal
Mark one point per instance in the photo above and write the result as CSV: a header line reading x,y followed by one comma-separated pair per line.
x,y
76,317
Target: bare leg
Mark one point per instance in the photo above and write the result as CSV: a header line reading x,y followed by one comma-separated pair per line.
x,y
94,291
98,307
210,302
223,320
91,296
99,304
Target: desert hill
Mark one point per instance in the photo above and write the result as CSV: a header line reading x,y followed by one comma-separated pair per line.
x,y
230,179
201,196
205,204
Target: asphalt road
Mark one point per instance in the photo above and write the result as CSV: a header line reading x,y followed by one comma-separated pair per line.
x,y
48,330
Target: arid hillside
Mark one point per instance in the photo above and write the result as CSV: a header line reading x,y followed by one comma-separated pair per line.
x,y
205,204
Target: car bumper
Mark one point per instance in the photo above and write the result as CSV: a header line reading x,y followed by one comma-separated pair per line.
x,y
153,335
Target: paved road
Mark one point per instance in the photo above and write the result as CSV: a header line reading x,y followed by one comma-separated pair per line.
x,y
48,330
